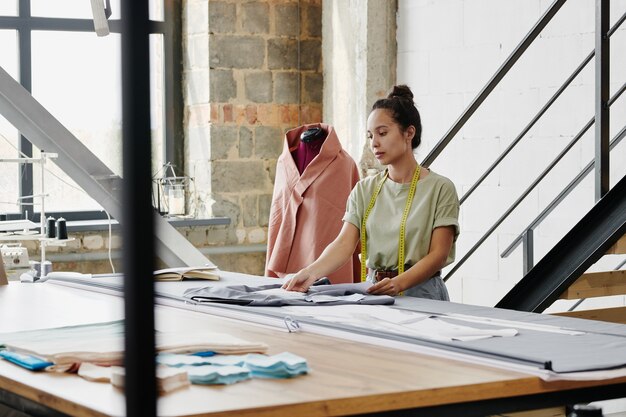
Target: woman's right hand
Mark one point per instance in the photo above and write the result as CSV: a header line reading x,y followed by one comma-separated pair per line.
x,y
300,282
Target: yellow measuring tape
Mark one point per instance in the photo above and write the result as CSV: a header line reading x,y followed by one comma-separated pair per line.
x,y
401,243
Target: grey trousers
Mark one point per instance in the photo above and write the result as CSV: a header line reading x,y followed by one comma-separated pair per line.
x,y
433,289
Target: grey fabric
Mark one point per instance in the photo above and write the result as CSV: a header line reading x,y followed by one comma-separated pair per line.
x,y
433,289
602,346
250,296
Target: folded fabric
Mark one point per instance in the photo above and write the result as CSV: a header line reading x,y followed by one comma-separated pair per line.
x,y
96,373
215,374
103,344
282,365
204,354
167,379
29,362
177,360
273,295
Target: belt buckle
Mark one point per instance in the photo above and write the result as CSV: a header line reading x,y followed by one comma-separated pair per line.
x,y
379,275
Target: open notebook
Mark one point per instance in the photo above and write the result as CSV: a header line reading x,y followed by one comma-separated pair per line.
x,y
181,273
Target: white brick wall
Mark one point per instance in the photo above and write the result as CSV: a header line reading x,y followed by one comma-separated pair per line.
x,y
447,51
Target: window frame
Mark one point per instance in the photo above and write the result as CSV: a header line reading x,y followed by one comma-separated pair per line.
x,y
173,148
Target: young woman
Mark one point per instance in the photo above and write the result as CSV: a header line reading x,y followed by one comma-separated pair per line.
x,y
406,217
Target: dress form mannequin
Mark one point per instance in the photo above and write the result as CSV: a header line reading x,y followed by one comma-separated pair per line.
x,y
311,142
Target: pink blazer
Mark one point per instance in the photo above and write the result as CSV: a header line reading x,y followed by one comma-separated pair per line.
x,y
306,210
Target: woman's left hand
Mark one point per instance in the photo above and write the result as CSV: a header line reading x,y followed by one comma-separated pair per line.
x,y
386,286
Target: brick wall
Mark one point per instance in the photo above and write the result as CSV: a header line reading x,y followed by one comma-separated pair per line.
x,y
88,252
252,71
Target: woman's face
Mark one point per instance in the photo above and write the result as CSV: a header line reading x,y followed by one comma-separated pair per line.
x,y
387,140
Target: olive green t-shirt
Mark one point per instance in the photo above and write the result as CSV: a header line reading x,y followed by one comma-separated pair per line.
x,y
435,204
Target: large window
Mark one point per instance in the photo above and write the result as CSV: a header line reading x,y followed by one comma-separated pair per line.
x,y
51,48
9,178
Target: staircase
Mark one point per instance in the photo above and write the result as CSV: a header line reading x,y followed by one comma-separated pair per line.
x,y
564,272
600,284
563,266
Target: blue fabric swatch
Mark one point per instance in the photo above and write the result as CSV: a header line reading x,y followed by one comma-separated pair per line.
x,y
29,362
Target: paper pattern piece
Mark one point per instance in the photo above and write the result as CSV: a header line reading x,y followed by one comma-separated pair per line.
x,y
402,322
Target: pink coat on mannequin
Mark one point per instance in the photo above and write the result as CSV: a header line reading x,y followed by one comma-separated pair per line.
x,y
307,209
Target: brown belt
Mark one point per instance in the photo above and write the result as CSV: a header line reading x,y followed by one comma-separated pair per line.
x,y
379,275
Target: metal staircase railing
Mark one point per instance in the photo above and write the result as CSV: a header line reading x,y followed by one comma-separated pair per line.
x,y
532,186
494,81
539,114
580,248
526,236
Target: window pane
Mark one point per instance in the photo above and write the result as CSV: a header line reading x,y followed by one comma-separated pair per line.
x,y
9,188
9,178
76,77
8,8
8,57
156,10
79,9
157,101
62,8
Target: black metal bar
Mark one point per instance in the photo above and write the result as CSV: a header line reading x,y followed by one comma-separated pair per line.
x,y
494,81
520,199
64,24
565,192
580,248
557,200
506,405
174,133
529,249
25,171
528,126
539,114
531,187
137,223
601,98
617,25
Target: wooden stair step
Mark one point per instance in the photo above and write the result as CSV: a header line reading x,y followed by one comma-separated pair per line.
x,y
619,247
612,314
597,284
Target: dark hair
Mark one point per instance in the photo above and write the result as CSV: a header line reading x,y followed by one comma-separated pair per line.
x,y
400,102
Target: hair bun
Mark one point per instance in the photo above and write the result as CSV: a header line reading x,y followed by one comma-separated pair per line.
x,y
401,91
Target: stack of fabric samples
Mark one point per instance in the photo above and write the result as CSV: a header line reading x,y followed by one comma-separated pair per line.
x,y
167,379
228,369
63,349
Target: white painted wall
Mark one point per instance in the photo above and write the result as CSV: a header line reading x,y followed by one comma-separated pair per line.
x,y
447,51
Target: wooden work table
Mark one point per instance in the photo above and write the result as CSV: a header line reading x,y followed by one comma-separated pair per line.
x,y
346,377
